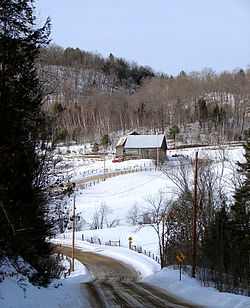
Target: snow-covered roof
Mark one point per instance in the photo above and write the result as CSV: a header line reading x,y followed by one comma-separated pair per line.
x,y
121,141
144,141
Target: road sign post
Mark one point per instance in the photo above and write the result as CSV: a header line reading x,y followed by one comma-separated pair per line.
x,y
73,236
130,242
180,258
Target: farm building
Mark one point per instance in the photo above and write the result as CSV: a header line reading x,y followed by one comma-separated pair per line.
x,y
120,145
143,146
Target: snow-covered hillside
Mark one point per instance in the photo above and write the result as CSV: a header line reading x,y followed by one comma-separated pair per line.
x,y
120,194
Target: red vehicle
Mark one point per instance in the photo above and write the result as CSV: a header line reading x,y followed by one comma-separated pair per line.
x,y
118,160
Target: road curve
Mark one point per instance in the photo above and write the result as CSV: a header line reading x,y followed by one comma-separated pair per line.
x,y
115,284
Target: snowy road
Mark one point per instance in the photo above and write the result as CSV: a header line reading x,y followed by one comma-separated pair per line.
x,y
116,284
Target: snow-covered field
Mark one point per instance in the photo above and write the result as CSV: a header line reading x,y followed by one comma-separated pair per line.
x,y
120,194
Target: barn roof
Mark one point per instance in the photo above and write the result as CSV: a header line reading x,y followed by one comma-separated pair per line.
x,y
121,141
144,141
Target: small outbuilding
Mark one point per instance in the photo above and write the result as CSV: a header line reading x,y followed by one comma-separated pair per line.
x,y
143,146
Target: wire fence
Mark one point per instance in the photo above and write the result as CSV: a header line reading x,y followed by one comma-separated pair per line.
x,y
82,184
146,253
117,243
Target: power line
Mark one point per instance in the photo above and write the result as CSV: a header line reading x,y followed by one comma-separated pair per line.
x,y
124,191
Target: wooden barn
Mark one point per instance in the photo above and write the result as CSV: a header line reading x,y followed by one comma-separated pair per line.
x,y
143,146
120,152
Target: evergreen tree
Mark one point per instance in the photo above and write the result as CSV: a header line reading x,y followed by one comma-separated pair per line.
x,y
23,224
217,234
229,233
202,110
217,115
105,141
241,220
173,131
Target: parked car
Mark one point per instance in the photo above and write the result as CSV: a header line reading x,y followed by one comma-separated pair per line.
x,y
118,160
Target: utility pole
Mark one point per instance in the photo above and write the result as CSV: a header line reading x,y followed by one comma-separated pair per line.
x,y
73,236
194,216
157,158
104,167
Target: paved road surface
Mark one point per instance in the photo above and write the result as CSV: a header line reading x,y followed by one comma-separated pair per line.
x,y
116,284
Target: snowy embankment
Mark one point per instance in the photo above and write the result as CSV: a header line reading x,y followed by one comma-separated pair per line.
x,y
17,292
168,279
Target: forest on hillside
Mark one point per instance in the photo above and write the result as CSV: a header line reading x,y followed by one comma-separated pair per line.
x,y
88,96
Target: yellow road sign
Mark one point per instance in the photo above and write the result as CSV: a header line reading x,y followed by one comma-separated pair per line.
x,y
130,239
180,257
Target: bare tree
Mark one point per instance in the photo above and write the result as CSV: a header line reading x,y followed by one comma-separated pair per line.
x,y
157,210
104,211
95,221
61,215
79,222
100,217
180,218
210,197
134,215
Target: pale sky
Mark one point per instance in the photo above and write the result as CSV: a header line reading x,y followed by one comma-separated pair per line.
x,y
167,35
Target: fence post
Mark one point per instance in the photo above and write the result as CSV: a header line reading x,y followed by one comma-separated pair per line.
x,y
82,237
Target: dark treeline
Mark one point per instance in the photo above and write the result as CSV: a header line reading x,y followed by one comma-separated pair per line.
x,y
89,96
24,221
